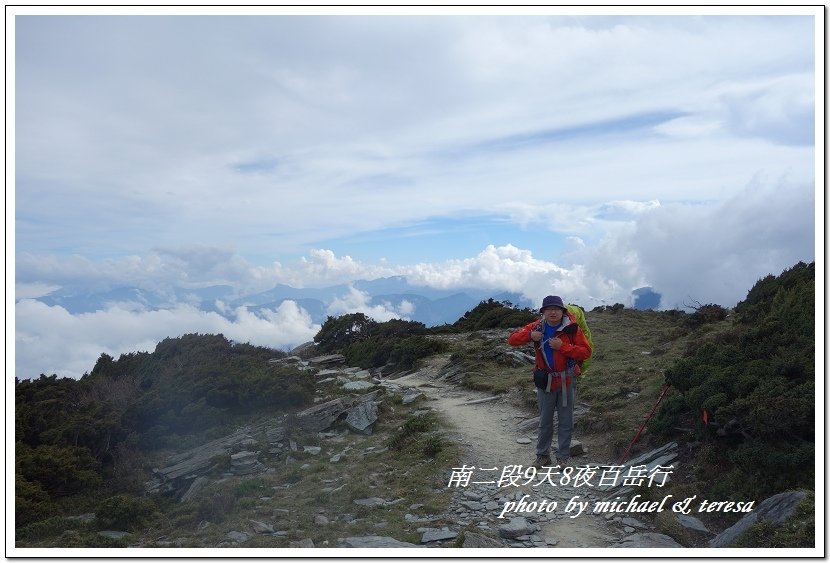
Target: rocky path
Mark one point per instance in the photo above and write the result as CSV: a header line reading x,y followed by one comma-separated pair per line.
x,y
494,440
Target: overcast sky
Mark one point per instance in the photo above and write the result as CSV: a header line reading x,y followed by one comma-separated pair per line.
x,y
582,156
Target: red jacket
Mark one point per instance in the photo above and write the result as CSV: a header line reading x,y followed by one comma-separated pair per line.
x,y
574,344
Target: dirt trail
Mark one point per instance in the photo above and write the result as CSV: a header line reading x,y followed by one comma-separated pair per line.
x,y
489,431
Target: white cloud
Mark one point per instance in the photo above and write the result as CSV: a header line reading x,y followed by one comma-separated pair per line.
x,y
348,133
50,340
631,138
357,301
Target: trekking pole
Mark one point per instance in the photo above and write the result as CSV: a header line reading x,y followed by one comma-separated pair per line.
x,y
659,399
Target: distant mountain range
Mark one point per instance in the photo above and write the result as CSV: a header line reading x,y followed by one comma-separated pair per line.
x,y
427,305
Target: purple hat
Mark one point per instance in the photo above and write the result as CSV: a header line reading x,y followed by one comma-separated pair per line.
x,y
552,301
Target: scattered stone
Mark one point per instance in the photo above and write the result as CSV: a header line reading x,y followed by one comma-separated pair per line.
x,y
647,539
551,541
261,527
371,502
438,535
320,520
237,537
113,534
692,523
362,418
358,385
633,522
775,509
198,483
472,505
335,458
577,448
374,541
327,360
528,424
628,530
516,528
411,397
245,463
307,542
313,450
475,540
485,400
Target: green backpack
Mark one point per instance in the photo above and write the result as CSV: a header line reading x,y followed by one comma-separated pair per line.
x,y
579,314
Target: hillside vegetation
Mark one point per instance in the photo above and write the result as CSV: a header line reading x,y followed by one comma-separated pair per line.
x,y
741,401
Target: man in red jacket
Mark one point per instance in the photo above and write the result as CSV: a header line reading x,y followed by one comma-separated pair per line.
x,y
560,345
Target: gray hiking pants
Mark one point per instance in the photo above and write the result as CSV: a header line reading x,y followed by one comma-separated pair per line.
x,y
550,403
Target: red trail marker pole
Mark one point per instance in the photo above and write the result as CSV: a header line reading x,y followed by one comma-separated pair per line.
x,y
640,431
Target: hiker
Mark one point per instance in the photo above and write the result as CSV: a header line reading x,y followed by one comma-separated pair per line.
x,y
560,347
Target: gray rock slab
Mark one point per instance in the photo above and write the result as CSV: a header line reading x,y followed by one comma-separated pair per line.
x,y
198,484
692,523
362,418
476,540
438,535
261,527
358,385
237,537
113,534
374,541
775,509
372,501
516,528
647,539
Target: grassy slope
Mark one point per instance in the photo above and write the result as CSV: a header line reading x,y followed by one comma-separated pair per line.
x,y
632,350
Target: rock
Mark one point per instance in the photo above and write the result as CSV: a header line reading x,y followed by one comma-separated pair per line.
x,y
313,450
319,417
362,418
692,523
371,502
198,483
335,458
438,535
237,537
374,541
307,542
633,522
245,463
327,360
113,534
577,448
523,440
528,424
320,520
647,539
411,397
261,527
775,509
476,540
517,527
358,385
472,505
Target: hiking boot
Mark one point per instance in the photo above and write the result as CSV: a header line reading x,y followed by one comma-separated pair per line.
x,y
542,461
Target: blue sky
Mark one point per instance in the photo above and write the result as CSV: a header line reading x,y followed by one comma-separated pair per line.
x,y
585,155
